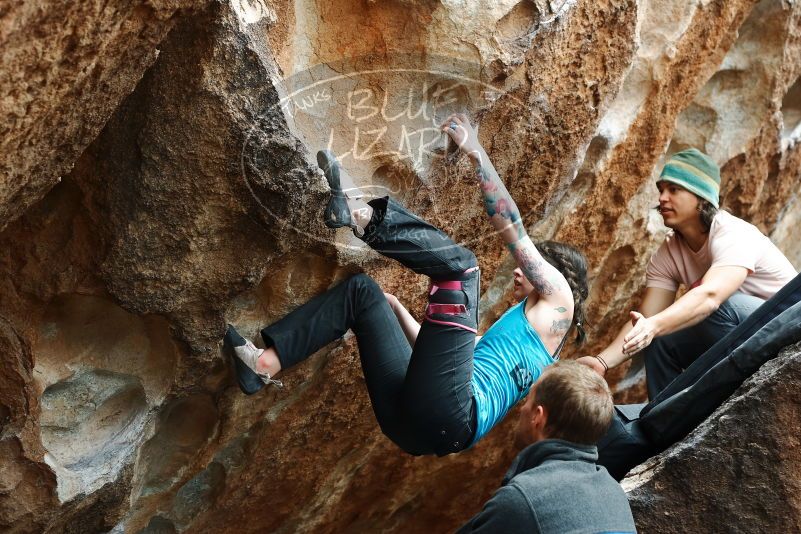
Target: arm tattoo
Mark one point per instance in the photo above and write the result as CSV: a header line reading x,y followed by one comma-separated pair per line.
x,y
561,326
498,201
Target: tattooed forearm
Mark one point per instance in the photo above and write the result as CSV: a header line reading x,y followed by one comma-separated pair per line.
x,y
500,206
560,327
505,217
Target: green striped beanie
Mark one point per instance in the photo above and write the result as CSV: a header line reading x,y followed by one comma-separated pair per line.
x,y
695,172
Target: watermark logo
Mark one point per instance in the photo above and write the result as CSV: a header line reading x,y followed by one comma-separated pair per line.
x,y
383,125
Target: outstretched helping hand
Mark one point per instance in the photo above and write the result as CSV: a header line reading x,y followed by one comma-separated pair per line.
x,y
458,128
639,337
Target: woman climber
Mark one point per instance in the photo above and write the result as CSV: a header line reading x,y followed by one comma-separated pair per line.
x,y
433,388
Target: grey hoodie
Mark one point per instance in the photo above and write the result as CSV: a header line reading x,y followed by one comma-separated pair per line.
x,y
554,486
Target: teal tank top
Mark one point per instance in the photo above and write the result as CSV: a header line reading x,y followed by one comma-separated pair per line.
x,y
507,360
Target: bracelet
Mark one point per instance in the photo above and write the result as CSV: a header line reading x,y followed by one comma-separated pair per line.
x,y
606,367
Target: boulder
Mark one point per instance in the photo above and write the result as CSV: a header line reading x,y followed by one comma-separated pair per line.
x,y
736,471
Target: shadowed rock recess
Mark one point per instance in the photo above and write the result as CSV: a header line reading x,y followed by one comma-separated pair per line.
x,y
157,180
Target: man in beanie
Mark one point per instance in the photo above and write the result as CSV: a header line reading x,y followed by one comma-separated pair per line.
x,y
727,265
554,484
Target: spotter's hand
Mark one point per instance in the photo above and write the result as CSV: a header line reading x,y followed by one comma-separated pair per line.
x,y
639,337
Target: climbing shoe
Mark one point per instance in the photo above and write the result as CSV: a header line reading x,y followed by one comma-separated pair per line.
x,y
337,212
245,355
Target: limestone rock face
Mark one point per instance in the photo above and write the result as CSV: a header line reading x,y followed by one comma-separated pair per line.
x,y
64,68
193,200
747,446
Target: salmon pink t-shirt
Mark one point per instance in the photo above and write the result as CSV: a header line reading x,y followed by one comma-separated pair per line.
x,y
731,242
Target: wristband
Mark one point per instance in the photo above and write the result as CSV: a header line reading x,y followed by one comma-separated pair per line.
x,y
606,367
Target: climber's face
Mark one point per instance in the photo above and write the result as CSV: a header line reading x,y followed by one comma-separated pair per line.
x,y
522,287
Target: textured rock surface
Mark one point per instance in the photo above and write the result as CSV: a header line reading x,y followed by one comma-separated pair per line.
x,y
198,203
749,444
64,68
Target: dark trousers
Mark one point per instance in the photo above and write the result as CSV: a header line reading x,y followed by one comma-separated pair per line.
x,y
668,356
421,395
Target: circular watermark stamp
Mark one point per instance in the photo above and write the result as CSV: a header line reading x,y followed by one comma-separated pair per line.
x,y
385,127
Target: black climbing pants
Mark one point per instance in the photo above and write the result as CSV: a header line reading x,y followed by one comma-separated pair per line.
x,y
421,395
